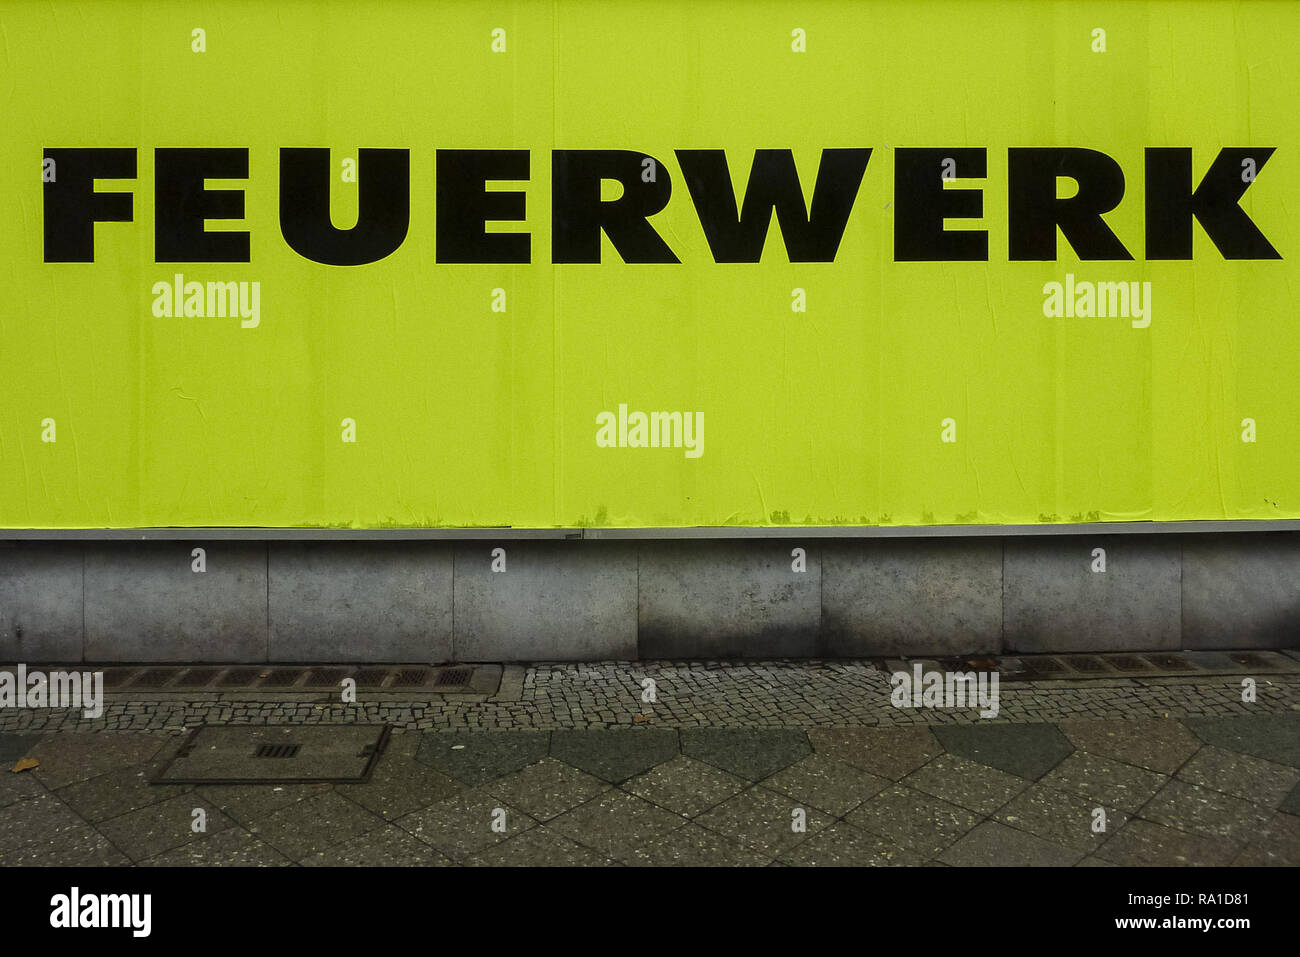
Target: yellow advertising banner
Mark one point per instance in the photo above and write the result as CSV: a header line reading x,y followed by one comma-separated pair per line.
x,y
550,264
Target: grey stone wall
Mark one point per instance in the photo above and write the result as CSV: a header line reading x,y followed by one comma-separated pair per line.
x,y
358,600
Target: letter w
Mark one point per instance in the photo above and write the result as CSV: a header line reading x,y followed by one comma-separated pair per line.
x,y
738,237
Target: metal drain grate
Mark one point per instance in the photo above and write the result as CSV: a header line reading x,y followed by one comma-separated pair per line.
x,y
1170,662
322,677
154,678
453,677
1128,663
410,677
277,751
281,677
1087,664
370,677
238,676
195,678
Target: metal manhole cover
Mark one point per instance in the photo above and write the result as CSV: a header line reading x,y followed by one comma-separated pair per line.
x,y
259,754
453,677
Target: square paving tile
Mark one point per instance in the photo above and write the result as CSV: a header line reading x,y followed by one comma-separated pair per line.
x,y
161,827
538,846
465,824
615,754
765,820
303,828
14,745
386,846
693,846
824,783
1141,843
118,792
71,756
246,803
996,845
1060,817
1105,782
748,753
477,757
685,786
1157,744
1240,775
77,846
1207,812
399,785
1273,737
1025,750
914,819
547,789
232,847
617,824
1277,844
892,753
843,845
960,781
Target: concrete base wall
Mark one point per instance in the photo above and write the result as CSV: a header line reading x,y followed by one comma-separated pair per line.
x,y
480,599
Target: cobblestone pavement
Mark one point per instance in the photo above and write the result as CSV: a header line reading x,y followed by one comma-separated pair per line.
x,y
801,763
774,694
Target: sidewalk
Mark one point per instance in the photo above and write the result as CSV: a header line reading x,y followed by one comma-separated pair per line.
x,y
734,764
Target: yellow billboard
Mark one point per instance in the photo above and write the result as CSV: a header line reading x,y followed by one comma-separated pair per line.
x,y
551,264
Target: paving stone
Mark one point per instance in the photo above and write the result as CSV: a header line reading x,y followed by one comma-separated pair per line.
x,y
914,819
539,846
960,781
843,845
693,846
78,756
746,752
461,826
477,757
764,820
1059,817
893,753
232,847
685,786
301,829
18,787
824,783
14,745
1142,843
386,846
1273,737
617,754
617,824
161,827
996,845
1204,811
1276,844
246,803
1025,750
399,785
1106,783
1158,744
76,846
1253,779
547,789
118,792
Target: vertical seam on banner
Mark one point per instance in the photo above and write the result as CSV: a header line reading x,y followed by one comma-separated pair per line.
x,y
1002,545
268,601
83,602
453,602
